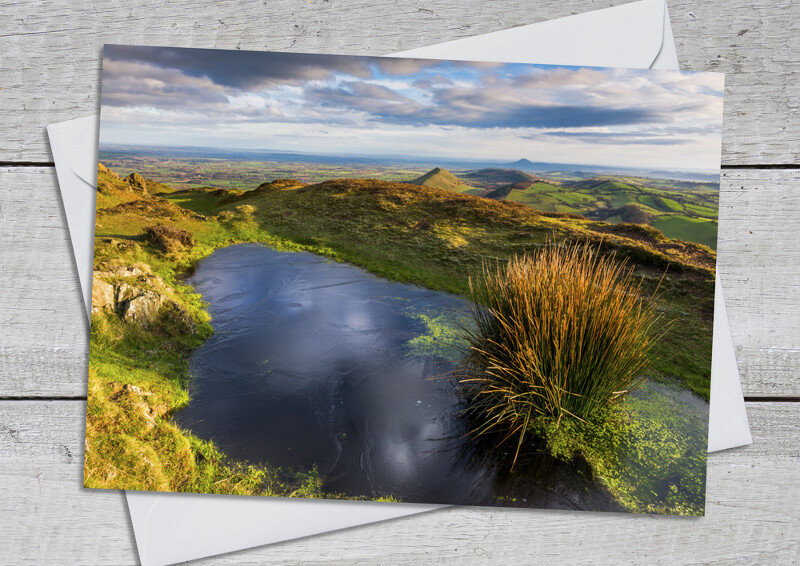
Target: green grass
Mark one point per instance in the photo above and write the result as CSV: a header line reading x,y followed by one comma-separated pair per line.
x,y
705,211
621,199
614,186
201,200
575,199
540,187
683,214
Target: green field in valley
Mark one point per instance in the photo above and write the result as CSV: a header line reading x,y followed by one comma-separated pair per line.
x,y
685,213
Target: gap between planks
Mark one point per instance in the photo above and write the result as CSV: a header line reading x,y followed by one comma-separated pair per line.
x,y
747,399
786,166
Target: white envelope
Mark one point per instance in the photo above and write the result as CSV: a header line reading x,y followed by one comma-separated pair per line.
x,y
171,528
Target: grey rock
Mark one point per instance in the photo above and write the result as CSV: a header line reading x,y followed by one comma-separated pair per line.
x,y
102,295
127,271
125,292
137,183
143,309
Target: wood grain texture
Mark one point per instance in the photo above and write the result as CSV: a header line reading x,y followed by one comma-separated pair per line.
x,y
44,344
50,51
759,263
750,516
44,350
757,45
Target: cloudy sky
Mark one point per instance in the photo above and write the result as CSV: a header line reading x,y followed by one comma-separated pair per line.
x,y
157,96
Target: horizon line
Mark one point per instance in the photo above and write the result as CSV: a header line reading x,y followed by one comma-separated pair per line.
x,y
423,159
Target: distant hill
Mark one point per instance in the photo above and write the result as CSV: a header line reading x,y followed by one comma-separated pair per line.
x,y
495,177
522,164
439,178
539,166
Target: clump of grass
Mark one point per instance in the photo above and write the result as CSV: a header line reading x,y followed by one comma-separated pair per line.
x,y
169,238
561,334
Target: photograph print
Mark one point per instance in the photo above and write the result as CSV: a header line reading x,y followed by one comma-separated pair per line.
x,y
403,280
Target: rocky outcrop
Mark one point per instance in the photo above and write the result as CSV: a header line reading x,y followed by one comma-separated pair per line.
x,y
103,169
143,308
137,183
138,296
102,295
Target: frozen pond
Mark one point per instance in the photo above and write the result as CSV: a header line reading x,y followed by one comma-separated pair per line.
x,y
317,363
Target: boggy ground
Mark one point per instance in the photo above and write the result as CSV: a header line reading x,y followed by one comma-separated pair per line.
x,y
145,322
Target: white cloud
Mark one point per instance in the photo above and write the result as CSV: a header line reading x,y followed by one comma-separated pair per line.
x,y
613,117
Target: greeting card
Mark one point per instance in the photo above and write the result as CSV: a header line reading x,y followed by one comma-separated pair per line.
x,y
403,280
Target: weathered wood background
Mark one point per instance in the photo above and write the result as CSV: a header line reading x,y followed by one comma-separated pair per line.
x,y
49,62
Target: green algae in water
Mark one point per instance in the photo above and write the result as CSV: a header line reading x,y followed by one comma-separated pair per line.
x,y
650,451
443,336
663,456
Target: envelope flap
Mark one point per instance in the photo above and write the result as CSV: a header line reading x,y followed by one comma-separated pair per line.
x,y
171,527
74,147
77,141
630,35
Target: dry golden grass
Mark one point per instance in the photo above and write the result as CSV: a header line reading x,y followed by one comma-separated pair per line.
x,y
559,334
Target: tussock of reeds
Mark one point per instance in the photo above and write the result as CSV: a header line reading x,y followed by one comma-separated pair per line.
x,y
559,334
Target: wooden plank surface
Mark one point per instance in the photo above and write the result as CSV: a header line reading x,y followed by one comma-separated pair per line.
x,y
45,343
49,51
751,517
759,263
